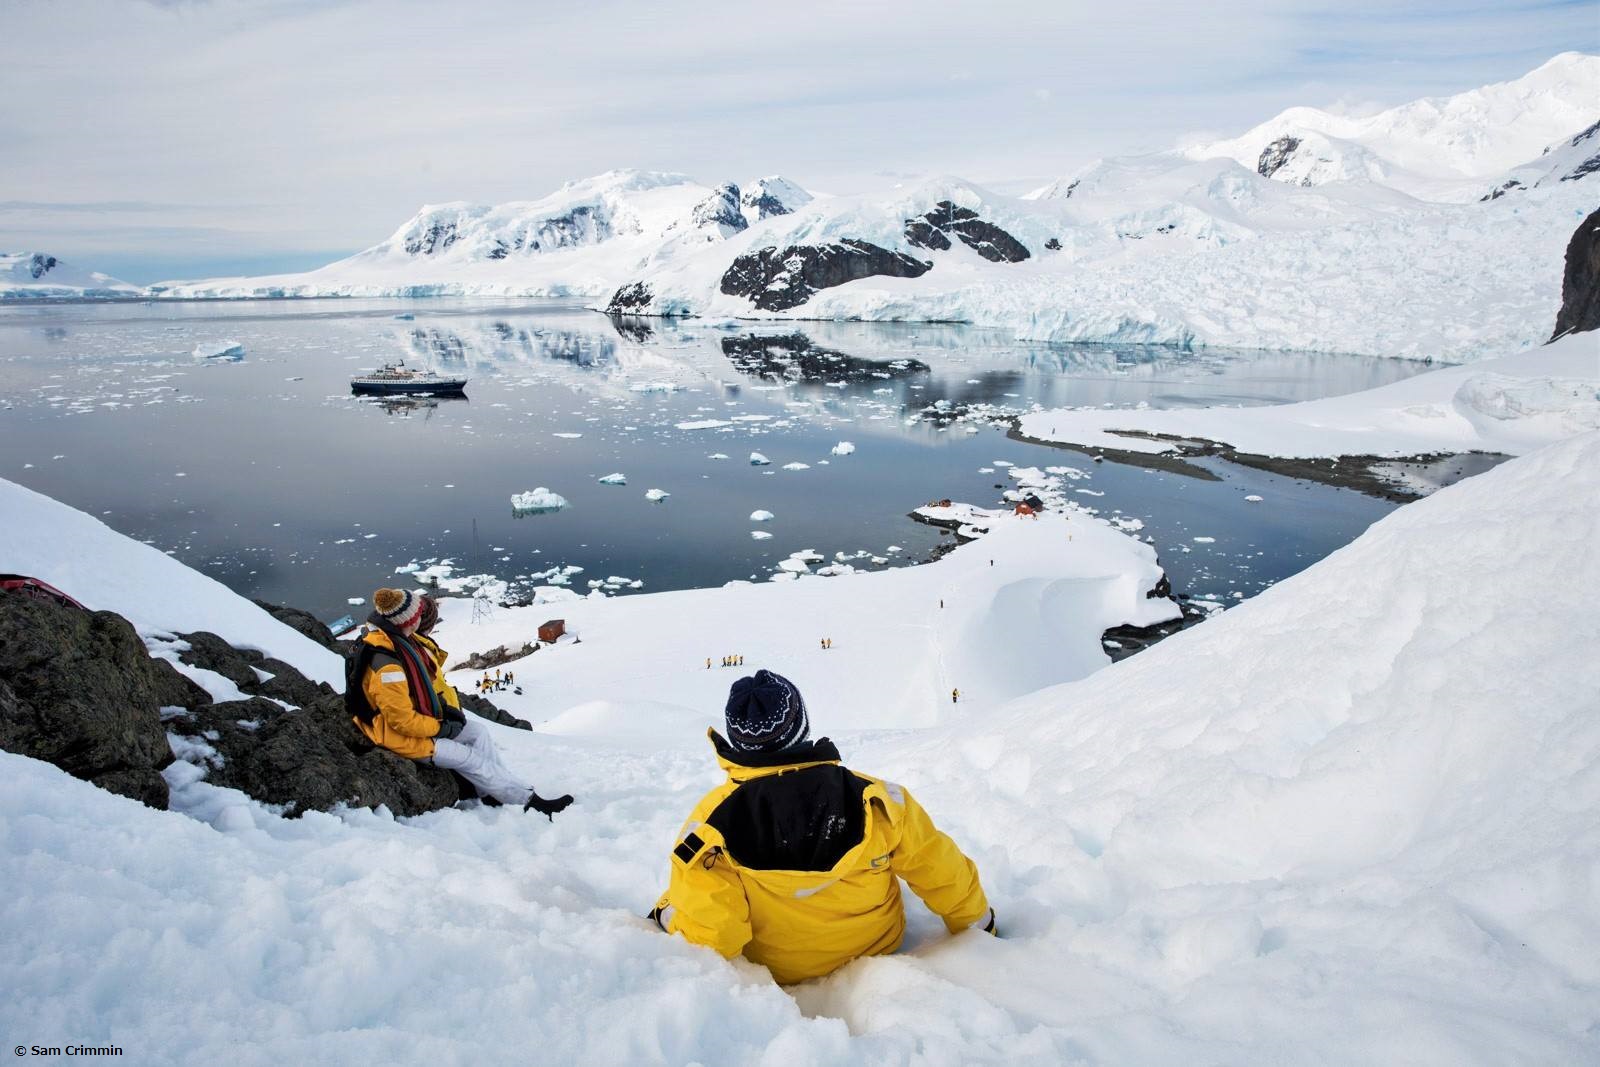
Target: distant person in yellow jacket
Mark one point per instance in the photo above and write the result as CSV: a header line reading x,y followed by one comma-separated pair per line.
x,y
408,714
796,861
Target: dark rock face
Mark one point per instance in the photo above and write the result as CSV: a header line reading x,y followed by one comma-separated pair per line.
x,y
310,760
301,621
765,205
239,666
1587,166
1580,285
1501,190
40,265
1275,155
583,225
776,280
792,358
483,708
436,238
630,298
721,209
934,229
1053,245
83,694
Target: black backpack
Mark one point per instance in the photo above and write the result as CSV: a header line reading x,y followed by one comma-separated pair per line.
x,y
356,666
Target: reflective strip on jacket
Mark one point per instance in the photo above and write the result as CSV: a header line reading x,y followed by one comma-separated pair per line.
x,y
398,726
807,923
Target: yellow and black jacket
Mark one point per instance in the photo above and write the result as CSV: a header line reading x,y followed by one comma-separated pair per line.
x,y
398,726
440,685
796,862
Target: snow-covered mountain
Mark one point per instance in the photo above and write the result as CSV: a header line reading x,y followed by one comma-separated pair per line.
x,y
578,240
1437,148
1388,234
26,275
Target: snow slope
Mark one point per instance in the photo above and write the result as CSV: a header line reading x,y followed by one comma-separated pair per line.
x,y
106,571
1351,821
25,275
1437,148
1511,404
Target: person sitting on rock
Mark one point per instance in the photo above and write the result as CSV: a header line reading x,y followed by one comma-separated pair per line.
x,y
411,718
796,861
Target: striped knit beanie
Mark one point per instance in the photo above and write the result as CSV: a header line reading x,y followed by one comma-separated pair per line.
x,y
400,608
766,713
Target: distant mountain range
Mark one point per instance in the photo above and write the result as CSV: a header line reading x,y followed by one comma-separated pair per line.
x,y
1432,229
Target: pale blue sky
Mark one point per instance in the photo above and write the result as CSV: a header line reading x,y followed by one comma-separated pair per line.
x,y
192,138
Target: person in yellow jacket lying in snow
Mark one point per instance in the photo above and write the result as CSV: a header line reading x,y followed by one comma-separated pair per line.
x,y
796,861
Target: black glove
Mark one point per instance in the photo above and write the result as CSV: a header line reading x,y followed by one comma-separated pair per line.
x,y
547,808
449,728
453,714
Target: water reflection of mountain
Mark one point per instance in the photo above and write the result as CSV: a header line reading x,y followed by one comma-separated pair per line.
x,y
503,343
632,328
794,358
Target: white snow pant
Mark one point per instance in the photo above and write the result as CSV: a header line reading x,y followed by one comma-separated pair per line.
x,y
472,755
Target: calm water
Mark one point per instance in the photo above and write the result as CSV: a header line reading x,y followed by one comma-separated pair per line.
x,y
266,474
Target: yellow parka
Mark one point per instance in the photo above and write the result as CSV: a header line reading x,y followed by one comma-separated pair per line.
x,y
398,726
725,892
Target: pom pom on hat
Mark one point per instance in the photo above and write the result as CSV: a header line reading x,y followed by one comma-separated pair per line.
x,y
400,608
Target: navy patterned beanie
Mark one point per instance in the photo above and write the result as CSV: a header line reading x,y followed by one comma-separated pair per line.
x,y
765,713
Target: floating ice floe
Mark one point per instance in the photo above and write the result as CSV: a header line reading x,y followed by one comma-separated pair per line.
x,y
758,460
1205,540
843,448
656,495
702,424
797,466
653,387
762,516
793,566
760,535
568,436
721,455
1253,498
356,600
219,350
614,479
537,501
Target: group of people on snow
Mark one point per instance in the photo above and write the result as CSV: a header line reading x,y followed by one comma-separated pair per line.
x,y
498,683
794,861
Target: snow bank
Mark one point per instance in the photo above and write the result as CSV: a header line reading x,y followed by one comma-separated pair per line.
x,y
1512,404
109,572
31,275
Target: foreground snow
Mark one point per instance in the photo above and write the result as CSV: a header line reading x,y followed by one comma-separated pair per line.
x,y
1353,820
1510,405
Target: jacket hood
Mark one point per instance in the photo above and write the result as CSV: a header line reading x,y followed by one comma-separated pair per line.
x,y
754,764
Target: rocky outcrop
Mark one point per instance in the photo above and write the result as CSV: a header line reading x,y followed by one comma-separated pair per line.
x,y
300,621
82,693
1580,285
934,230
720,211
436,238
80,690
779,279
1275,155
630,299
793,358
40,265
309,759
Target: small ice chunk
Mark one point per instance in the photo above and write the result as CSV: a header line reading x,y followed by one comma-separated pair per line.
x,y
760,535
356,600
537,500
1253,498
219,350
758,460
614,479
720,455
568,436
797,466
762,516
656,495
1205,540
843,448
794,566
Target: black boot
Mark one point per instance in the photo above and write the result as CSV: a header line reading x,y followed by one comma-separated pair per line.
x,y
547,808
